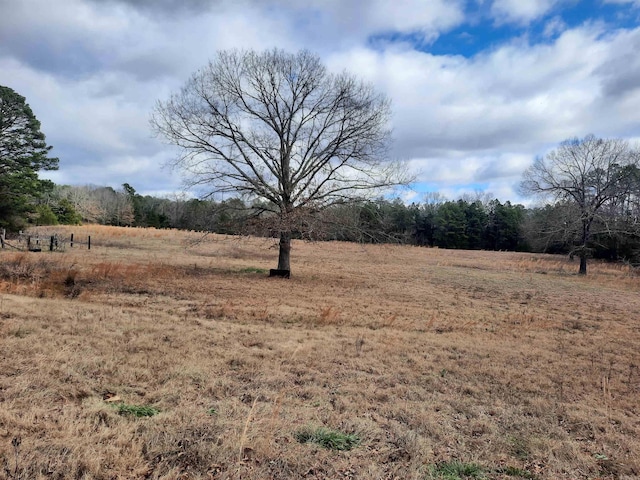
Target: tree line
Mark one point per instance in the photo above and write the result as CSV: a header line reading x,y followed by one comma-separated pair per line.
x,y
467,223
437,222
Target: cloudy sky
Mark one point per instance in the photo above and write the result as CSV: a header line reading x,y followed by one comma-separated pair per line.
x,y
479,88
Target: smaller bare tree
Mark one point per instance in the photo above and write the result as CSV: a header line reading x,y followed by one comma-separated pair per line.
x,y
589,175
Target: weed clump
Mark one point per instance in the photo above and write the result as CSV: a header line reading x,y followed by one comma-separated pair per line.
x,y
22,267
329,439
254,270
455,470
136,410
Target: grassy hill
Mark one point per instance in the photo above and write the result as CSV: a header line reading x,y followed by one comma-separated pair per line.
x,y
164,355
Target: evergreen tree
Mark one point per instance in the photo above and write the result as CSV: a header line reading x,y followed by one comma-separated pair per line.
x,y
23,152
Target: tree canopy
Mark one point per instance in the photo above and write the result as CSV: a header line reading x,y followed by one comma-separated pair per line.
x,y
280,128
23,152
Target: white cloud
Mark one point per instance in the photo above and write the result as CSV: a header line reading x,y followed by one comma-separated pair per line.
x,y
92,72
338,23
95,108
635,3
484,119
521,11
428,18
554,26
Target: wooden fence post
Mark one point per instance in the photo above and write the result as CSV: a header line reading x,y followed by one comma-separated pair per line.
x,y
3,234
71,243
51,244
89,242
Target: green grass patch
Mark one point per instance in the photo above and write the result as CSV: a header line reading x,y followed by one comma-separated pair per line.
x,y
516,473
519,448
329,439
136,410
20,332
455,470
254,270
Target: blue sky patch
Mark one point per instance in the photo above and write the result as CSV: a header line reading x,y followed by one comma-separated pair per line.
x,y
481,31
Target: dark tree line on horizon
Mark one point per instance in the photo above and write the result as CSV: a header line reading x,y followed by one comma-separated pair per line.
x,y
473,224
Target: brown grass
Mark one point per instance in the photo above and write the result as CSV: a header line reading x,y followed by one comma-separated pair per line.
x,y
498,359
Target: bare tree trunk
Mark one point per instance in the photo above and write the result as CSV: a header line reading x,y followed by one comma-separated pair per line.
x,y
284,258
583,250
583,262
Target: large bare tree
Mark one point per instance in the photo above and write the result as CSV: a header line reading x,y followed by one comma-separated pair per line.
x,y
279,127
589,175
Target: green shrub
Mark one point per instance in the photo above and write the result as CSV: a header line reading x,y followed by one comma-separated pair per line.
x,y
45,216
66,213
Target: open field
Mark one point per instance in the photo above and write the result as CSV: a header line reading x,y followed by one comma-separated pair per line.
x,y
432,358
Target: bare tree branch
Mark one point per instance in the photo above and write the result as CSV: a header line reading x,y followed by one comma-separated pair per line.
x,y
592,174
279,127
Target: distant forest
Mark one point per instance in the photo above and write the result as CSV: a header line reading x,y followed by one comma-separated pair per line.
x,y
467,223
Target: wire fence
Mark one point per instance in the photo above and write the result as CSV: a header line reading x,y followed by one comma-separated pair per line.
x,y
28,242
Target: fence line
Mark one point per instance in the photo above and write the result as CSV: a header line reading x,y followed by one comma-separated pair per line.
x,y
38,242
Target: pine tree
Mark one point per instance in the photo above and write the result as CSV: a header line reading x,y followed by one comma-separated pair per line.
x,y
23,152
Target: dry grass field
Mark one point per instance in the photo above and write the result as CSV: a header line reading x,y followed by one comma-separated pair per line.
x,y
151,356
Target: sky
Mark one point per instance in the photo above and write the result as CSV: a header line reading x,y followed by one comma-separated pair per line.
x,y
479,88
